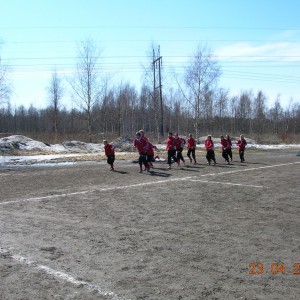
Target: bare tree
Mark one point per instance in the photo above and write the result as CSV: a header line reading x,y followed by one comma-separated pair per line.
x,y
5,87
201,75
221,107
55,91
276,114
294,111
259,112
221,102
127,102
86,85
233,113
144,105
244,111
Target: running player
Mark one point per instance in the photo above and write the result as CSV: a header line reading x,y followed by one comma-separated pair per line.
x,y
191,148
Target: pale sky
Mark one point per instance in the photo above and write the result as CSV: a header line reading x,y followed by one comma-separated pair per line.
x,y
256,42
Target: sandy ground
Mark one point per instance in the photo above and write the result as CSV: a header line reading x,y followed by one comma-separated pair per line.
x,y
195,232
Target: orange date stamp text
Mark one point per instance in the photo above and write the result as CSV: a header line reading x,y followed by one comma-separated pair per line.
x,y
258,268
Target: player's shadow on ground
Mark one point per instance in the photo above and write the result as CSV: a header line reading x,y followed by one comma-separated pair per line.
x,y
224,166
198,166
254,163
120,172
159,174
163,169
191,169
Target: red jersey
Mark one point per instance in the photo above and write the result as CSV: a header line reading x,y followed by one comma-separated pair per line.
x,y
191,143
224,144
209,145
150,149
142,145
241,144
171,143
182,140
229,142
179,143
109,150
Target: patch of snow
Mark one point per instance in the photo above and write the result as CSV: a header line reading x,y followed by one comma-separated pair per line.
x,y
22,143
71,149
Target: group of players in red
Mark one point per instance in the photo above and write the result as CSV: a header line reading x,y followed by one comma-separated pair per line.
x,y
226,148
175,145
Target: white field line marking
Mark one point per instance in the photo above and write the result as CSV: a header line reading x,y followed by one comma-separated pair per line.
x,y
61,275
96,190
228,183
45,197
251,169
143,184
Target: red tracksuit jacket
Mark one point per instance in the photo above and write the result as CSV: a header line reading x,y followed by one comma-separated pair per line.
x,y
224,144
109,150
142,145
241,144
171,144
209,145
191,143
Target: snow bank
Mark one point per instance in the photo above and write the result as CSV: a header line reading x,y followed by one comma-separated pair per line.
x,y
72,149
21,142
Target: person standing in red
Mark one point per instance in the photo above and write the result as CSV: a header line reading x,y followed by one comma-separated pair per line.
x,y
179,143
142,145
150,154
110,153
241,143
224,144
171,148
229,150
210,152
191,148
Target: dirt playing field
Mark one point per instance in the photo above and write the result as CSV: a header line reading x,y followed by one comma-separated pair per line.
x,y
79,231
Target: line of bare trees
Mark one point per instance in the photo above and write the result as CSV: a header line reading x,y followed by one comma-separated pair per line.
x,y
196,105
124,110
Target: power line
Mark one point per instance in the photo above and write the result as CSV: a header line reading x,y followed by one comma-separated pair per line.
x,y
167,56
148,27
161,40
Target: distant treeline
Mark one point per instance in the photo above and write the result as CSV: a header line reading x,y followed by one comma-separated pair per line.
x,y
123,113
194,104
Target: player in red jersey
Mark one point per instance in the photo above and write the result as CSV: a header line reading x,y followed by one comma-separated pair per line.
x,y
210,152
179,144
229,150
142,146
224,144
150,154
191,148
110,153
241,143
171,148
